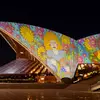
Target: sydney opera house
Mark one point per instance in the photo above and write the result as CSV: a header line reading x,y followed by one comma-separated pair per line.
x,y
48,54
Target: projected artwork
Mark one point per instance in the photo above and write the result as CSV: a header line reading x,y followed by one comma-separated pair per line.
x,y
60,53
89,49
56,50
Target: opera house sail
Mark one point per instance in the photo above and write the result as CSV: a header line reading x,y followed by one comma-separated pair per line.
x,y
43,49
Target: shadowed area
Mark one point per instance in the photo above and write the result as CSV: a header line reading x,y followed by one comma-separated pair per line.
x,y
48,94
84,85
7,54
79,91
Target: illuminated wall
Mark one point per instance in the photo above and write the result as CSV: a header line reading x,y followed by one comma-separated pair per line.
x,y
89,49
56,50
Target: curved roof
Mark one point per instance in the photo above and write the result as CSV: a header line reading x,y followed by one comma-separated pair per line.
x,y
59,53
49,47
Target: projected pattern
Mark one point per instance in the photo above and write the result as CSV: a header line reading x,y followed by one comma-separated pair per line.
x,y
89,49
56,50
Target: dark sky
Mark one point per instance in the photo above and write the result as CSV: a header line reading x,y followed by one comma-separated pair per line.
x,y
57,16
73,25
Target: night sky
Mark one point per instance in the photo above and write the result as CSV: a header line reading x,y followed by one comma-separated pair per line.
x,y
74,26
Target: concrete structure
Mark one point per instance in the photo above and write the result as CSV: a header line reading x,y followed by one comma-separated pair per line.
x,y
57,52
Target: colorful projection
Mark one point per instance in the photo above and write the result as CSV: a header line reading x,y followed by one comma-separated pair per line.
x,y
89,49
57,51
60,53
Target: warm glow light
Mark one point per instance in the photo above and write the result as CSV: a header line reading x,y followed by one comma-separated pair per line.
x,y
82,65
93,64
85,75
81,74
21,52
42,78
79,68
88,73
31,72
